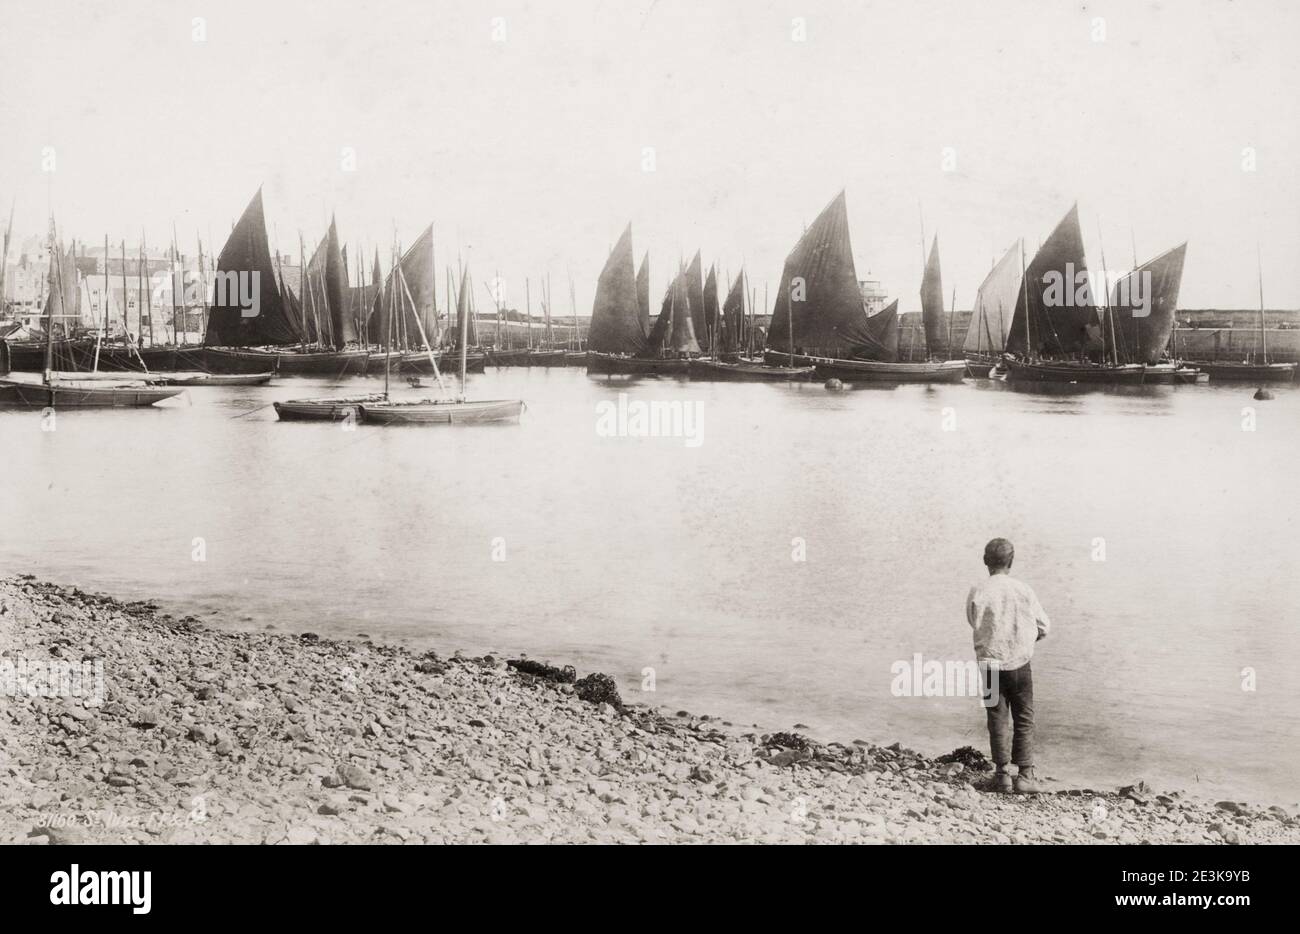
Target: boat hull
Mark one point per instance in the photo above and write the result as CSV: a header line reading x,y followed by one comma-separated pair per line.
x,y
747,372
322,410
948,371
616,364
442,413
82,395
286,363
546,358
1124,375
1248,372
509,358
210,379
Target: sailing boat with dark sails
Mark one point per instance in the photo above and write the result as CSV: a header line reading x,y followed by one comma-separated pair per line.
x,y
617,336
819,318
736,369
1140,317
276,334
1056,327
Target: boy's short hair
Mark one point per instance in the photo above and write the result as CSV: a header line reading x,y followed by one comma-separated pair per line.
x,y
999,553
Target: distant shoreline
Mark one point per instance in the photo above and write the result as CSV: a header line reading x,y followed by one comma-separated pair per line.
x,y
209,735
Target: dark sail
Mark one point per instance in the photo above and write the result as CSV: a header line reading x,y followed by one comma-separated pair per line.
x,y
674,327
463,309
334,285
244,265
695,296
1142,308
616,313
643,293
733,315
820,285
883,326
932,303
713,323
1060,306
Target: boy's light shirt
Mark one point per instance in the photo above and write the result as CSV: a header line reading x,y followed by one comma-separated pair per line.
x,y
1007,620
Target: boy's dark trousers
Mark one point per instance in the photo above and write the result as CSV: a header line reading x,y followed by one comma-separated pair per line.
x,y
1014,693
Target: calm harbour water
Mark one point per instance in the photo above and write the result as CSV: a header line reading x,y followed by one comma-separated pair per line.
x,y
623,554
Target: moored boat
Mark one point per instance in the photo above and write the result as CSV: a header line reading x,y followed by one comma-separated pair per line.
x,y
327,410
210,379
1074,372
752,371
939,371
1244,372
440,411
608,364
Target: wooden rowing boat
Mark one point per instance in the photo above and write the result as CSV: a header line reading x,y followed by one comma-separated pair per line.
x,y
441,412
209,379
323,410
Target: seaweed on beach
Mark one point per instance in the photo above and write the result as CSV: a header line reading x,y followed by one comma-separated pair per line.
x,y
787,741
566,675
968,756
597,688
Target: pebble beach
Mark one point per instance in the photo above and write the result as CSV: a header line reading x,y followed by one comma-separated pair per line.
x,y
181,733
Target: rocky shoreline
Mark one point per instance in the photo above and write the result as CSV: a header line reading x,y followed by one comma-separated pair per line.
x,y
180,733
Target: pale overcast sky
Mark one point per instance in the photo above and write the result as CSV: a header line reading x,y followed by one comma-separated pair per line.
x,y
527,153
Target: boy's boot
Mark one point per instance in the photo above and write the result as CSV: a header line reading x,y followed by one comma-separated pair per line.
x,y
1001,781
1025,784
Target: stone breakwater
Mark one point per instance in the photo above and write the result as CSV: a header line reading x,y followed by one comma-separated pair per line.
x,y
203,735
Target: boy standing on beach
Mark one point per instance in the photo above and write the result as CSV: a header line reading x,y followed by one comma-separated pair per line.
x,y
1007,620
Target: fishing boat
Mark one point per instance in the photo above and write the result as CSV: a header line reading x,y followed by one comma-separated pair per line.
x,y
990,320
51,390
446,410
1251,370
751,371
312,335
727,364
938,371
617,337
934,369
1067,371
82,393
210,379
823,322
1057,334
672,341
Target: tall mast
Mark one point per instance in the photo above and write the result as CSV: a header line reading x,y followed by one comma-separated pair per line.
x,y
464,332
148,292
1263,336
4,253
178,327
388,339
528,312
952,313
1107,315
103,311
49,324
1024,288
126,321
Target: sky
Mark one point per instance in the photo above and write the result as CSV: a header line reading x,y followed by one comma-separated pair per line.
x,y
521,130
